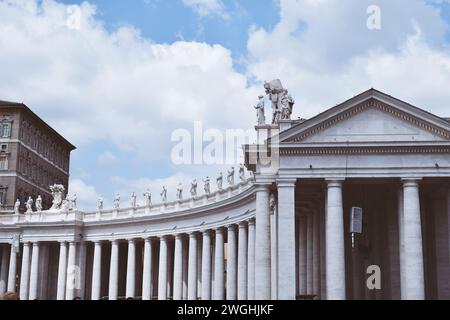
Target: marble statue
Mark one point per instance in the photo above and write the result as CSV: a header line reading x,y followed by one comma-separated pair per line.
x,y
100,203
164,194
148,198
272,202
287,103
219,181
260,111
242,173
194,188
66,203
58,195
274,90
207,187
29,205
117,201
230,177
39,203
133,201
17,207
74,202
180,192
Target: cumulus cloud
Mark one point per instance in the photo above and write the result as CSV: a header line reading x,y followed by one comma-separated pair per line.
x,y
107,159
86,194
207,7
324,53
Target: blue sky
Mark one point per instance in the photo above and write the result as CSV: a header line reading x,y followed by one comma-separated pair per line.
x,y
134,72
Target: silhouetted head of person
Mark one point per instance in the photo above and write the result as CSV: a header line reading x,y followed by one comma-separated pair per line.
x,y
9,296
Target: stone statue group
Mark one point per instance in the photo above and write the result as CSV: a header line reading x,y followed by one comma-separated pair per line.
x,y
193,190
281,101
59,202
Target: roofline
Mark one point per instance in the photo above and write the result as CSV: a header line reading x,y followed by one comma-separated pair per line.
x,y
6,104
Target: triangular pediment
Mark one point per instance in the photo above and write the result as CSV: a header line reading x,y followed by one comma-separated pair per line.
x,y
371,117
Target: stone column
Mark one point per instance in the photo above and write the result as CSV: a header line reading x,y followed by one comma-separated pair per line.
x,y
242,261
162,278
206,266
114,271
219,276
262,244
72,272
192,269
251,260
34,273
401,244
309,254
131,269
302,254
62,271
286,239
185,266
82,265
178,268
4,269
335,249
412,234
97,271
316,254
231,264
25,273
12,269
147,279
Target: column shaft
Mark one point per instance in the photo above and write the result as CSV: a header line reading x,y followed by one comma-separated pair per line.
x,y
310,255
242,261
162,279
97,271
219,276
114,271
192,269
4,269
62,271
316,254
232,264
251,260
12,270
73,279
82,265
262,245
34,274
178,268
302,256
413,257
25,273
335,250
147,279
206,266
131,269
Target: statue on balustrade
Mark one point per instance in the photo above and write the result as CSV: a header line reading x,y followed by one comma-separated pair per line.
x,y
164,194
260,111
148,198
180,192
117,201
194,188
58,196
74,202
287,103
219,181
66,204
29,205
207,186
17,207
100,203
230,177
242,172
39,203
282,101
133,201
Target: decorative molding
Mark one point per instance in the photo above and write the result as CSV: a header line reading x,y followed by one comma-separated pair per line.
x,y
363,150
372,103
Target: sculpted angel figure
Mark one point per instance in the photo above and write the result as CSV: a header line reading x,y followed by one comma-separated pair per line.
x,y
230,176
207,186
194,188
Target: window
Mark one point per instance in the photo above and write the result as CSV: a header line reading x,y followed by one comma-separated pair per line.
x,y
6,130
3,164
4,148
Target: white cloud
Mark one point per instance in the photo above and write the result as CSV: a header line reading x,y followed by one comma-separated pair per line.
x,y
107,159
207,7
324,53
86,194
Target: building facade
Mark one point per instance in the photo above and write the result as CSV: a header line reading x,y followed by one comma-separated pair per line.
x,y
282,233
32,157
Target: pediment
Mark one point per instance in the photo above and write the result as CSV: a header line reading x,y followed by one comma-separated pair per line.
x,y
374,117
